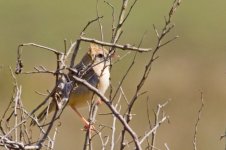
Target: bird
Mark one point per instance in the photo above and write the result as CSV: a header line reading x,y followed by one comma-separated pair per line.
x,y
94,68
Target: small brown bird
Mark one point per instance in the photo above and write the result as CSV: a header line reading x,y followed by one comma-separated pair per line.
x,y
97,75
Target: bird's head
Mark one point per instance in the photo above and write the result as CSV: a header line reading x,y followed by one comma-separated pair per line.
x,y
97,57
98,54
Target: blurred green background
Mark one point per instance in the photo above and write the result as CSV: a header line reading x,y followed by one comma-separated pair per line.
x,y
195,62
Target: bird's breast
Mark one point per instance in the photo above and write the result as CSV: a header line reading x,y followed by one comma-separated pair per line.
x,y
104,81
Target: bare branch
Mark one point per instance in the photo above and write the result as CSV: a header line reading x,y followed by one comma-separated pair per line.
x,y
99,22
76,48
118,29
197,122
153,129
113,17
114,126
131,8
43,47
167,147
114,45
169,41
158,122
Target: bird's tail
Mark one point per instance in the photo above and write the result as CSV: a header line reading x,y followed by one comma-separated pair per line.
x,y
43,114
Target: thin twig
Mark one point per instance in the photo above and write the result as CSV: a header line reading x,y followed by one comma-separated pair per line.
x,y
153,129
124,77
112,144
157,115
197,122
43,47
166,146
99,22
113,16
89,23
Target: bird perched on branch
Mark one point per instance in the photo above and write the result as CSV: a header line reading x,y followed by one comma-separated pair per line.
x,y
94,68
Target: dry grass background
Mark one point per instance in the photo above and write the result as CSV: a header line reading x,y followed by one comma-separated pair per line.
x,y
196,61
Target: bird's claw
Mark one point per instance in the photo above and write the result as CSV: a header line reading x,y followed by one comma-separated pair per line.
x,y
89,127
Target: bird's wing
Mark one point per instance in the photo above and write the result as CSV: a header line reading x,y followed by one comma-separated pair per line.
x,y
88,74
80,67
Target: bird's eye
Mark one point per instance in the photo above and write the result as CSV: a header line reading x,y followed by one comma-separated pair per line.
x,y
100,55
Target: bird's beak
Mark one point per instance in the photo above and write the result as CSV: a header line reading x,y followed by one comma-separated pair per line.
x,y
115,55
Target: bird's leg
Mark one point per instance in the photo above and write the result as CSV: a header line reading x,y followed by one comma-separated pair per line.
x,y
84,121
99,102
